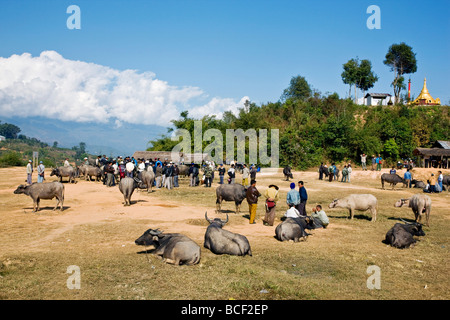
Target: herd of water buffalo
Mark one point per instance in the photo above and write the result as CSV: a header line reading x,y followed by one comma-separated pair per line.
x,y
179,249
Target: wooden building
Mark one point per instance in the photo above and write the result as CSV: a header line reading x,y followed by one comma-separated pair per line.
x,y
435,157
170,156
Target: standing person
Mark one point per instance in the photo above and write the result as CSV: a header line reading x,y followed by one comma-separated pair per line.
x,y
40,172
253,171
191,176
130,169
245,175
349,172
231,174
321,171
196,172
407,177
158,175
252,199
319,217
221,173
330,173
374,161
271,195
29,172
433,182
176,172
208,175
293,196
439,180
109,169
344,174
303,198
363,162
379,162
168,174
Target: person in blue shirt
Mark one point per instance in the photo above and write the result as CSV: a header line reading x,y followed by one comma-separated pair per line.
x,y
407,177
293,197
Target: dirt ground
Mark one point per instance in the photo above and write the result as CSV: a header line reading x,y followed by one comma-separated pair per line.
x,y
181,210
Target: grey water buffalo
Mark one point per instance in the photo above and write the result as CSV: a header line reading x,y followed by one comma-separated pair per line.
x,y
230,192
61,172
221,241
419,203
418,184
360,202
127,186
293,229
393,179
147,180
174,248
446,181
402,235
183,170
47,190
90,171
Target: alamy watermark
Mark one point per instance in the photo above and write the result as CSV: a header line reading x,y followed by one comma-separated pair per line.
x,y
257,145
74,280
374,21
374,279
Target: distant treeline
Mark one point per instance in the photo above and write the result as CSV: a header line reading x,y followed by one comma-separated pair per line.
x,y
328,129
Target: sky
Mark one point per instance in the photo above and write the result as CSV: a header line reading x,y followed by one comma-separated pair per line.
x,y
135,65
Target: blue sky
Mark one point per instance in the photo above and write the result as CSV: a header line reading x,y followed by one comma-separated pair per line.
x,y
217,53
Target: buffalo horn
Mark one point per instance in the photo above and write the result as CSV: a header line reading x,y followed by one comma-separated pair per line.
x,y
206,217
226,220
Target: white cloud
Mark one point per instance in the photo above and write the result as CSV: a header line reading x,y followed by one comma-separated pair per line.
x,y
57,88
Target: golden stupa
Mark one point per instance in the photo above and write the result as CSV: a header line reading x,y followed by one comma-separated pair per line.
x,y
425,97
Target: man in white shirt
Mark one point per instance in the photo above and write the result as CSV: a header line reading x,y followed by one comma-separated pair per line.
x,y
292,212
29,172
40,172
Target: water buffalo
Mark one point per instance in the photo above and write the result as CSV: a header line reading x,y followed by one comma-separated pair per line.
x,y
393,179
446,182
47,190
174,248
127,186
402,235
293,229
360,202
418,184
184,170
230,192
147,180
61,172
419,203
221,241
90,171
287,173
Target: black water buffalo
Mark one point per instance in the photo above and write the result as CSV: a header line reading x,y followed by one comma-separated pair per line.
x,y
293,229
127,186
174,248
393,179
230,192
418,184
287,173
61,172
47,190
221,241
402,235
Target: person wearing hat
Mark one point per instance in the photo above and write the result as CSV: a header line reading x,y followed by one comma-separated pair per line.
x,y
271,195
86,161
40,172
252,199
293,197
29,172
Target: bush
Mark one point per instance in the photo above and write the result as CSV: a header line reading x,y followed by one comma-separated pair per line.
x,y
11,159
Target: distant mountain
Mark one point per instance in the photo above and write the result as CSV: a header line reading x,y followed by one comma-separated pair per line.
x,y
108,138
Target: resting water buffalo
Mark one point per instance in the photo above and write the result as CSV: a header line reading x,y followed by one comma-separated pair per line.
x,y
293,229
360,202
90,171
401,235
418,184
47,190
61,172
221,241
147,180
287,173
230,192
393,179
419,203
175,248
127,186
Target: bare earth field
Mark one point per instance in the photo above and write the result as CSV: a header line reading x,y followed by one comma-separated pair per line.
x,y
96,233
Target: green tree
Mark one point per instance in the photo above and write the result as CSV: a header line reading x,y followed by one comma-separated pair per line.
x,y
9,131
349,75
359,74
402,60
298,89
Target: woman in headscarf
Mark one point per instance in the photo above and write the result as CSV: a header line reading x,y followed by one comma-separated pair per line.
x,y
271,195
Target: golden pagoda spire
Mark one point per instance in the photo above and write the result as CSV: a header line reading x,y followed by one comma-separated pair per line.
x,y
425,97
